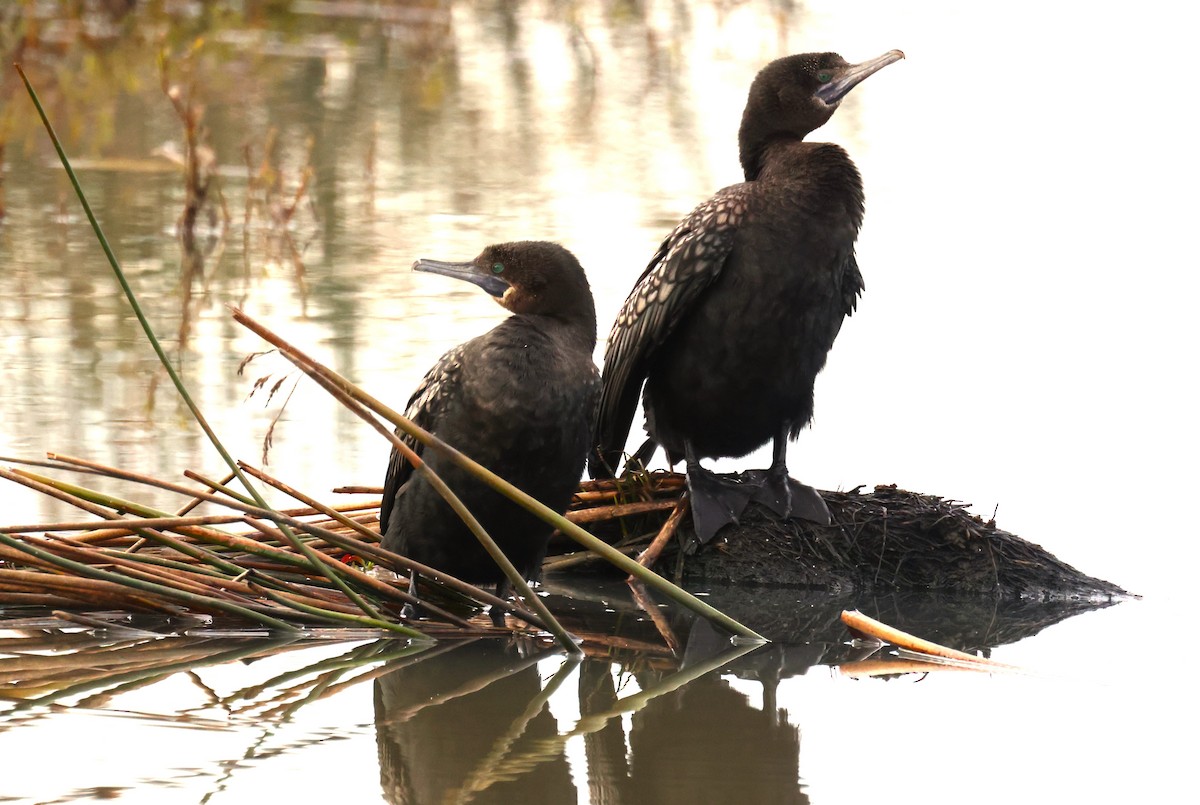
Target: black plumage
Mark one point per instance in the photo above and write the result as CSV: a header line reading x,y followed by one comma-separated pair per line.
x,y
732,320
518,399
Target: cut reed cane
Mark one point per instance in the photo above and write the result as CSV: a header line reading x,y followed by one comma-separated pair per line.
x,y
859,623
599,513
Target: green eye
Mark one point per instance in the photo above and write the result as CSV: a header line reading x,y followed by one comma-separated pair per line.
x,y
497,268
824,76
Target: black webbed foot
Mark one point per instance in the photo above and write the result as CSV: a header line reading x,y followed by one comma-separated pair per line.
x,y
716,501
787,497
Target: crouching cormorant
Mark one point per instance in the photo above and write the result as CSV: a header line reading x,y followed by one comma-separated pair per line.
x,y
518,399
731,321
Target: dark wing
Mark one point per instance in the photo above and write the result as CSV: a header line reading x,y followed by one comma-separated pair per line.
x,y
686,263
852,286
424,409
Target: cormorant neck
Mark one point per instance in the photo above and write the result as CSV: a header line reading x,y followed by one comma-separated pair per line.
x,y
577,324
824,170
755,155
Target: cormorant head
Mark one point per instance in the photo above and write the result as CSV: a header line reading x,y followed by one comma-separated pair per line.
x,y
531,277
793,96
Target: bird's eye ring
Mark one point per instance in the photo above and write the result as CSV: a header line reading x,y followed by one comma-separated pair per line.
x,y
824,76
497,268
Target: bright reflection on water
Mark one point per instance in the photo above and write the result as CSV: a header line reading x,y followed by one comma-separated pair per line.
x,y
1025,342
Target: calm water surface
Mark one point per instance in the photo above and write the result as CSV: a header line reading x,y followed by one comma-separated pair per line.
x,y
1025,343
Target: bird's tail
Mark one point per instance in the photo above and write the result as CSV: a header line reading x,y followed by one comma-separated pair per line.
x,y
613,419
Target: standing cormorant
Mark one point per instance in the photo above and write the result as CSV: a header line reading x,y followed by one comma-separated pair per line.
x,y
731,321
518,399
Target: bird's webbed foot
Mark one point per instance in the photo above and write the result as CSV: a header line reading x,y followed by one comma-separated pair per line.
x,y
716,501
787,497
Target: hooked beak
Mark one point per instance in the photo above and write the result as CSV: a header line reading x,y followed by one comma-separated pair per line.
x,y
853,74
465,271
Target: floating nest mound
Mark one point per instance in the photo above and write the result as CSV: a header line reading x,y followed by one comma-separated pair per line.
x,y
890,539
884,540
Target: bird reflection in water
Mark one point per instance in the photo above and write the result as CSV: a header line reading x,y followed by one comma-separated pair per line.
x,y
470,723
440,719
